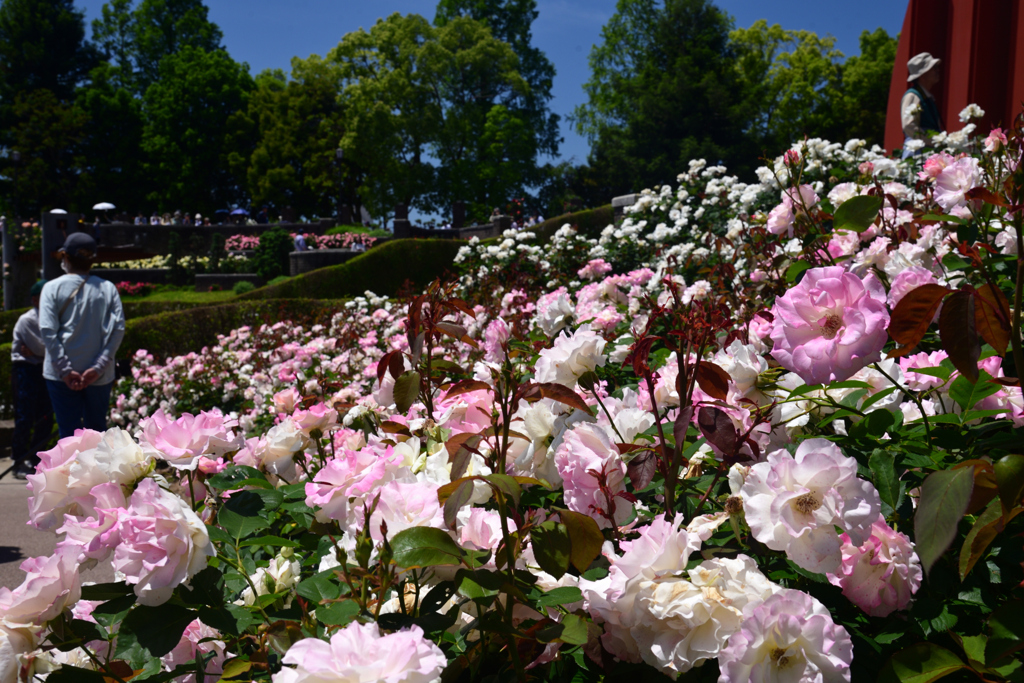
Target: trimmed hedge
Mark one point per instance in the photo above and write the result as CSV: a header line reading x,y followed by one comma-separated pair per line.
x,y
383,270
590,223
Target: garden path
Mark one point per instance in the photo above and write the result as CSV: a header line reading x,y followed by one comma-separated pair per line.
x,y
18,541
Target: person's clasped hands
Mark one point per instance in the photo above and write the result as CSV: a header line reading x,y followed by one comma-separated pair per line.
x,y
78,381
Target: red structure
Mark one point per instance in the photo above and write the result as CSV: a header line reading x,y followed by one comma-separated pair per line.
x,y
981,45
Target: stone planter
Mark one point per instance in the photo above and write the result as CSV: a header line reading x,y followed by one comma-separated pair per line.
x,y
151,276
225,281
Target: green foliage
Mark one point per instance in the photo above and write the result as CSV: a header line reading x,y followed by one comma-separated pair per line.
x,y
590,222
383,270
218,252
278,280
358,230
271,259
243,287
175,257
188,117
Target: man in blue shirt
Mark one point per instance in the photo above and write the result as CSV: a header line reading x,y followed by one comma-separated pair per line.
x,y
82,325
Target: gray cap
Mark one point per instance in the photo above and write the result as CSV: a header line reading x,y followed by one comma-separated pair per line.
x,y
79,245
919,64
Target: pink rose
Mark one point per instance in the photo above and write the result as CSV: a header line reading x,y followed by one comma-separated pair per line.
x,y
934,165
183,441
788,637
163,543
995,141
350,474
198,640
51,499
592,474
286,400
319,417
781,219
907,281
405,505
495,336
594,269
52,585
952,184
794,504
359,653
830,325
882,574
918,381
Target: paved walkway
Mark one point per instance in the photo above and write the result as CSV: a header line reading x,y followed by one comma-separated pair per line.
x,y
18,541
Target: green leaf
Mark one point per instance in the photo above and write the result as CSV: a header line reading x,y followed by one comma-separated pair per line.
x,y
795,269
943,501
275,541
586,538
968,395
507,485
73,674
981,535
574,630
240,516
153,631
921,663
1005,632
1009,479
462,494
407,389
563,595
235,667
857,213
236,477
883,474
551,547
106,591
422,546
337,613
319,587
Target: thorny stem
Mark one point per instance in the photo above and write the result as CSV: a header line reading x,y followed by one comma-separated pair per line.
x,y
670,482
1018,352
609,415
916,399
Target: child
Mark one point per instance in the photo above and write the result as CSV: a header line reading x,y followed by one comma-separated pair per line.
x,y
33,415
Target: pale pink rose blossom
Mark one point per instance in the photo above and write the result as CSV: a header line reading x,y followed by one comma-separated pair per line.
x,y
934,165
50,499
995,141
182,441
571,356
163,543
286,400
403,505
789,637
585,459
952,184
918,381
495,336
359,653
594,269
51,585
319,417
830,325
794,504
866,167
907,281
353,473
881,575
782,218
197,640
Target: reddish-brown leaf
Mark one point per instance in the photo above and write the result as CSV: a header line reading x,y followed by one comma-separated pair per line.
x,y
459,448
461,305
713,380
641,470
1006,381
958,333
718,429
986,195
563,394
384,364
390,427
914,312
458,332
465,386
992,317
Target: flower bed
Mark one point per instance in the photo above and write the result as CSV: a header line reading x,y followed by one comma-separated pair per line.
x,y
348,240
755,432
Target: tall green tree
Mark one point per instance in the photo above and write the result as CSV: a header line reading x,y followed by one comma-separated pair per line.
x,y
297,124
189,115
864,96
114,36
663,89
417,128
512,22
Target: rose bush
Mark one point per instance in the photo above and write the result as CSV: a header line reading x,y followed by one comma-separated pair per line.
x,y
725,439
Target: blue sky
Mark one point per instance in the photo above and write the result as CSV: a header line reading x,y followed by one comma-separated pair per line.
x,y
268,33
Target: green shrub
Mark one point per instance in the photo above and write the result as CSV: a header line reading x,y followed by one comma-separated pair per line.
x,y
271,259
175,259
590,223
383,270
218,252
278,280
243,287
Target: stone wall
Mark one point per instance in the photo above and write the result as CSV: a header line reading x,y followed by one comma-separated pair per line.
x,y
135,241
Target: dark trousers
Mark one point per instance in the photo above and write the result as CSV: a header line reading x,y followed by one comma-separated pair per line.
x,y
85,409
33,416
